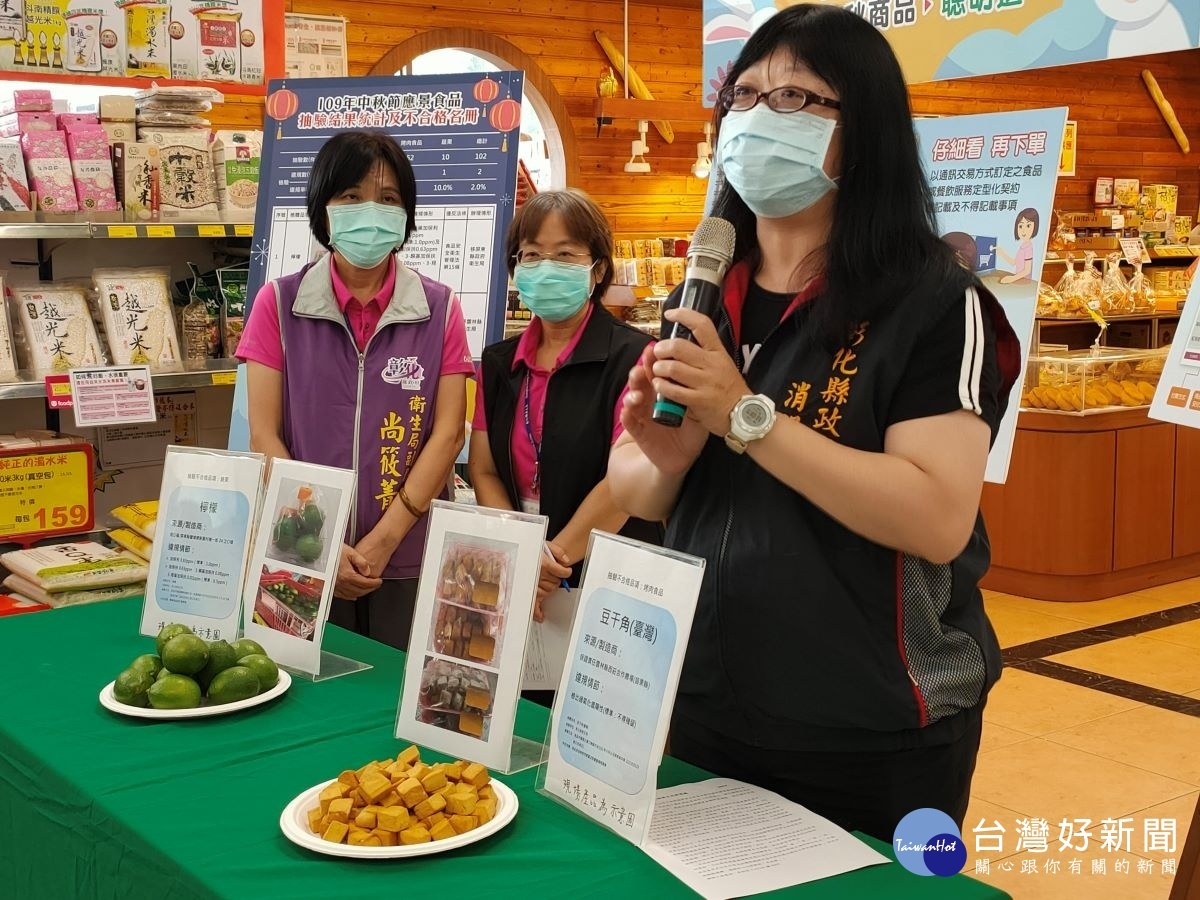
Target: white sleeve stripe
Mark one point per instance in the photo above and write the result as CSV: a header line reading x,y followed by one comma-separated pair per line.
x,y
971,367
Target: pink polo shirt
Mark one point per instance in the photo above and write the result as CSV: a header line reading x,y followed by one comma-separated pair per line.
x,y
262,343
523,458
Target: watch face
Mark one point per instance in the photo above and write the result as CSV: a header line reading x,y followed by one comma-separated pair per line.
x,y
755,415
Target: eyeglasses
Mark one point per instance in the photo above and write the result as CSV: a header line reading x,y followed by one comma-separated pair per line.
x,y
531,257
786,99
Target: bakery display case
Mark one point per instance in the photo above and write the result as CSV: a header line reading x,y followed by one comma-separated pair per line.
x,y
1098,379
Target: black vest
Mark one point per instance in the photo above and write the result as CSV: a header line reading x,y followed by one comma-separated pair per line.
x,y
577,426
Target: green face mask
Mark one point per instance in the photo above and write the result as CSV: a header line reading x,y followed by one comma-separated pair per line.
x,y
365,233
553,290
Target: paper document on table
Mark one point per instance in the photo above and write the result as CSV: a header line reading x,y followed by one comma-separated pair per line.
x,y
546,649
771,842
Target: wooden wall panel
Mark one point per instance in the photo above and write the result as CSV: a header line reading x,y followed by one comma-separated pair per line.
x,y
1120,131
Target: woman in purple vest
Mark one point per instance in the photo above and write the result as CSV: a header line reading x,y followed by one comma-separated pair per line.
x,y
359,362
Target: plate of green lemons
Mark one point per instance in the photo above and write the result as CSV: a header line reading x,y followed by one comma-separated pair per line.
x,y
191,678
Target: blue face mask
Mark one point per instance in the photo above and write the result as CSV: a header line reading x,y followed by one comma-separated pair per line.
x,y
553,290
366,233
776,161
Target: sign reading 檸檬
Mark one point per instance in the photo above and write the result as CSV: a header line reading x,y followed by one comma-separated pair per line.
x,y
940,39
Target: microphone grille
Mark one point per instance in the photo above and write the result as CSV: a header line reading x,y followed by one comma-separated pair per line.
x,y
715,237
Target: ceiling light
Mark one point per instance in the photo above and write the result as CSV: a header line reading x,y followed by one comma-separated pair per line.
x,y
637,164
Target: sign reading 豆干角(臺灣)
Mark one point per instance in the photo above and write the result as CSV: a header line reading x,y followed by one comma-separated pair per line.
x,y
941,39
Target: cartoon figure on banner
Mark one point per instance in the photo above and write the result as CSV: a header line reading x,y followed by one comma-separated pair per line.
x,y
1025,230
505,116
281,106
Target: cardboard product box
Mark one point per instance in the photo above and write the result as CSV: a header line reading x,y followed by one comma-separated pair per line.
x,y
120,132
217,42
1160,202
22,122
237,159
1126,191
117,108
14,185
49,167
137,180
26,101
1183,228
91,163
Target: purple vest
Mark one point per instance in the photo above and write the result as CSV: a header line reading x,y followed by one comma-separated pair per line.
x,y
370,413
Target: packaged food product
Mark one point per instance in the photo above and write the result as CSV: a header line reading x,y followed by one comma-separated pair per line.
x,y
26,99
50,173
57,327
137,168
72,597
142,517
1105,189
1126,191
1049,301
187,190
1141,294
22,122
8,355
73,566
169,118
14,188
186,97
205,290
91,164
237,156
1114,291
138,319
147,42
1063,236
130,540
232,281
116,108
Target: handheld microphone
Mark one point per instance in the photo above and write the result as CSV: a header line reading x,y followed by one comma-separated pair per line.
x,y
707,260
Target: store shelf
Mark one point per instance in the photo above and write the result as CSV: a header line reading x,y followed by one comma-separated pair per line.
x,y
213,372
1181,254
516,326
50,227
1127,317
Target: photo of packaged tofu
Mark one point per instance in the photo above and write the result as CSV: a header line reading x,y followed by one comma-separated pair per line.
x,y
456,697
475,572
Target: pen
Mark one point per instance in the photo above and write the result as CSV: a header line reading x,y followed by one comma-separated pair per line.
x,y
566,586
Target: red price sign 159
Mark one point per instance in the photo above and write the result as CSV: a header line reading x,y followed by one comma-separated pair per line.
x,y
45,491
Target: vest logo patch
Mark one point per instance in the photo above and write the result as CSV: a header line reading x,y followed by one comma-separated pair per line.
x,y
404,371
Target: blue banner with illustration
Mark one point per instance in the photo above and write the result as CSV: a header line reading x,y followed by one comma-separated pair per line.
x,y
460,132
940,39
993,178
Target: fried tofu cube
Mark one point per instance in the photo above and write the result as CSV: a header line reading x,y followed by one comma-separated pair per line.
x,y
336,832
447,790
454,771
419,771
483,648
366,820
461,804
396,771
476,775
410,755
429,806
339,810
386,838
364,839
434,819
486,810
433,781
393,820
486,791
315,815
391,799
485,593
442,830
335,791
349,777
375,786
411,793
463,824
418,834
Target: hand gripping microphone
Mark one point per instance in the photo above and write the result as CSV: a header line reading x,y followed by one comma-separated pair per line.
x,y
707,260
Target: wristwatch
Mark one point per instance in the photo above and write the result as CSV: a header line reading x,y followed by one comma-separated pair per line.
x,y
750,420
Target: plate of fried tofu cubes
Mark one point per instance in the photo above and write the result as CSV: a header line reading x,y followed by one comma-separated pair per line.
x,y
390,809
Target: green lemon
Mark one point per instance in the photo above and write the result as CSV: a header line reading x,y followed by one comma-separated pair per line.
x,y
245,646
185,654
308,547
286,531
168,632
131,686
150,663
237,683
312,519
262,666
174,692
220,657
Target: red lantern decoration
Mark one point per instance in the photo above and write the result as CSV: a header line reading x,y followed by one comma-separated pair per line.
x,y
281,106
486,91
505,116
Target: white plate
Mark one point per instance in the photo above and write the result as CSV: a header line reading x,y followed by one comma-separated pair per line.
x,y
109,702
294,823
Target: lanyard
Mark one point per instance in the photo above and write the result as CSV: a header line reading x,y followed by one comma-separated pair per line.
x,y
533,442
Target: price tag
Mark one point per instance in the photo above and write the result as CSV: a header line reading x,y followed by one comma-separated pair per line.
x,y
224,377
1172,251
46,491
160,231
1134,250
1118,222
210,230
122,231
243,230
58,391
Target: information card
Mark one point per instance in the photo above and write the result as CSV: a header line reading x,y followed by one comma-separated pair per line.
x,y
613,705
1177,398
112,396
296,553
198,562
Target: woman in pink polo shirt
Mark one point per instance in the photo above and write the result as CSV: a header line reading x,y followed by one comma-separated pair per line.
x,y
549,402
359,362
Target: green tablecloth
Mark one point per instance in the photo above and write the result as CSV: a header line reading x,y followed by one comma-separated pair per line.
x,y
96,805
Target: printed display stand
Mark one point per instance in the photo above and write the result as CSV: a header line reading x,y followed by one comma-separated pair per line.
x,y
206,511
1177,398
289,587
474,607
612,710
